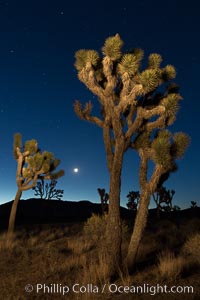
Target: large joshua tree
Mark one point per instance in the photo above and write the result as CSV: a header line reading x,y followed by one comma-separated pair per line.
x,y
133,106
32,164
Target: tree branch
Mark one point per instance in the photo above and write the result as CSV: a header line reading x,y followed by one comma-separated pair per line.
x,y
87,76
149,113
84,114
136,91
126,85
153,182
19,167
126,98
111,80
134,125
159,123
30,186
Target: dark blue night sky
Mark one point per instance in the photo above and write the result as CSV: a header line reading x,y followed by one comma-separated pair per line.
x,y
39,84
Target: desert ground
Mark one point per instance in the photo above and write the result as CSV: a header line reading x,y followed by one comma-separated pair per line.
x,y
66,260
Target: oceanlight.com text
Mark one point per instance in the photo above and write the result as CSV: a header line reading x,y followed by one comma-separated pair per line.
x,y
150,289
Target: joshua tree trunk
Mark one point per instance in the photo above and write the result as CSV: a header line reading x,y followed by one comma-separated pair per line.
x,y
13,213
148,187
139,226
113,230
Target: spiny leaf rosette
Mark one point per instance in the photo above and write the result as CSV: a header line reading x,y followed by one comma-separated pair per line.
x,y
33,164
137,104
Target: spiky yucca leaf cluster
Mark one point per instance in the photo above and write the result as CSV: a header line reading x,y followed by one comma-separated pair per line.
x,y
161,148
31,146
34,162
27,173
150,79
17,144
55,163
168,73
120,63
154,60
41,163
129,63
138,52
84,56
142,141
112,47
57,174
171,104
167,147
47,162
81,57
180,143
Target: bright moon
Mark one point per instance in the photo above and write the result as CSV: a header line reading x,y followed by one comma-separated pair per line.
x,y
76,170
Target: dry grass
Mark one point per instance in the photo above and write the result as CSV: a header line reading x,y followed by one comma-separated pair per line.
x,y
70,254
95,227
170,266
79,246
7,244
191,248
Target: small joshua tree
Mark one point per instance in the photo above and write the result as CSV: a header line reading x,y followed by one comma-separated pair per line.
x,y
32,164
133,200
104,199
193,204
163,199
48,190
163,149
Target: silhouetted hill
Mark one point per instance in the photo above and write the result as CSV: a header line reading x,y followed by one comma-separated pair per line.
x,y
37,211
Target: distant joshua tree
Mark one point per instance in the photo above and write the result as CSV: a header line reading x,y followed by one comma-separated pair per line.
x,y
48,190
104,199
193,204
163,199
32,164
133,200
136,106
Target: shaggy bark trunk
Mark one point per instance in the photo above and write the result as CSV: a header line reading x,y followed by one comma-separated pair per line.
x,y
139,226
113,229
13,212
142,213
